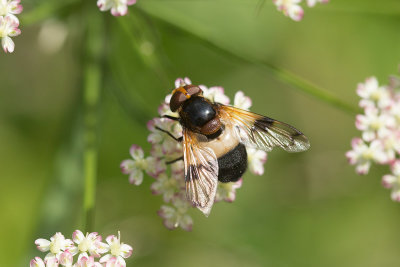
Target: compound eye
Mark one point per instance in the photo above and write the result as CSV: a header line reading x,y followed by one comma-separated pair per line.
x,y
193,89
176,100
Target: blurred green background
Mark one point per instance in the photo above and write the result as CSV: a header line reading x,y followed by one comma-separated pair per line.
x,y
308,209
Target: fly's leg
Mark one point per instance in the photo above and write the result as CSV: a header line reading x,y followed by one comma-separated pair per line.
x,y
180,139
175,160
170,117
170,134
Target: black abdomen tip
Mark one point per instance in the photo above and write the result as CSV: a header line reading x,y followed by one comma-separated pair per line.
x,y
233,164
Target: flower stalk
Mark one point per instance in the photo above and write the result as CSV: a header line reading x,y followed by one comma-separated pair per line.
x,y
91,98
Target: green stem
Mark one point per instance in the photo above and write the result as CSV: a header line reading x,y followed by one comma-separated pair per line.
x,y
281,74
307,87
91,90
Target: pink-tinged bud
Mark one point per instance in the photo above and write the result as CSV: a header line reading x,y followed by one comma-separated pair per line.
x,y
117,7
66,258
388,181
37,262
395,195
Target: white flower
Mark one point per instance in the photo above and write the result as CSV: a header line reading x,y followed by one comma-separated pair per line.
x,y
177,169
373,124
8,28
391,145
168,145
392,181
164,109
181,82
362,154
37,262
62,251
166,186
381,126
372,94
241,101
91,243
290,8
51,262
114,262
227,191
312,3
86,261
55,246
394,109
118,7
256,160
215,94
117,249
10,8
135,167
66,259
176,216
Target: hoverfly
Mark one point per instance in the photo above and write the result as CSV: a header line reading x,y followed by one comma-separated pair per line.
x,y
214,141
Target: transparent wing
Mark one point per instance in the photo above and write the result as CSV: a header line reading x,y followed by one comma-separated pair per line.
x,y
201,172
262,132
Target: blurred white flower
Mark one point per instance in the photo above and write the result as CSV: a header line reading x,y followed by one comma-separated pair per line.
x,y
227,191
168,145
8,29
373,95
52,36
380,126
392,181
363,154
118,7
181,82
374,124
312,3
135,167
10,8
242,101
290,8
176,216
256,160
118,250
215,94
167,187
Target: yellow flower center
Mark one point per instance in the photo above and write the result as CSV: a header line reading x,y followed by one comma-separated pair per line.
x,y
115,249
141,164
84,245
55,246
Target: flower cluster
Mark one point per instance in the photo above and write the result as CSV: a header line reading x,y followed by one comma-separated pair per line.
x,y
292,8
9,23
380,126
162,164
118,7
88,247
